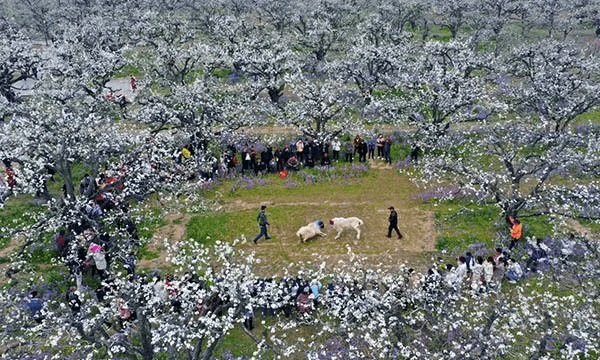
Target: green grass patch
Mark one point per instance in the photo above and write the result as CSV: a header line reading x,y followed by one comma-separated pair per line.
x,y
57,278
144,253
592,116
319,182
538,227
17,213
308,195
399,152
206,229
461,223
221,73
593,225
91,282
441,33
148,222
4,241
236,343
127,70
43,255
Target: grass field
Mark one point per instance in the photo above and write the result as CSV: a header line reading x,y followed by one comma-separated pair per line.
x,y
431,229
304,197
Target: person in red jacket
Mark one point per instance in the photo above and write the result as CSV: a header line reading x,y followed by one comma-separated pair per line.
x,y
133,82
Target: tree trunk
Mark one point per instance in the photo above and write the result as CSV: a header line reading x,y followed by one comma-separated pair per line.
x,y
145,336
64,168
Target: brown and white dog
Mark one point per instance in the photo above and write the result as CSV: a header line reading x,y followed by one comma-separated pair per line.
x,y
340,224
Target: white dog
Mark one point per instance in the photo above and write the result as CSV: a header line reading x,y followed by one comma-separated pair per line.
x,y
340,224
311,230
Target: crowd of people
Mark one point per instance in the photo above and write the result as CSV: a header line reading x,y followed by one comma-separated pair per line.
x,y
85,248
303,152
484,272
294,297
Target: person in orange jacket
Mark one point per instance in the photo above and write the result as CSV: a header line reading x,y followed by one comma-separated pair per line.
x,y
516,231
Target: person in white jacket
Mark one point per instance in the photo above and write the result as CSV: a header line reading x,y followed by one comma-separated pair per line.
x,y
488,272
476,278
336,146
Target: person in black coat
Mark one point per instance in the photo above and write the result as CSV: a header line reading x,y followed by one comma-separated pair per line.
x,y
362,151
393,223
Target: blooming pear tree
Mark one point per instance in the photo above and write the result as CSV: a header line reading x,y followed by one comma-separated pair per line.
x,y
508,127
560,17
496,16
362,312
279,15
191,116
316,34
554,81
177,54
523,160
454,14
393,18
552,84
371,68
36,16
266,61
69,95
444,84
18,64
321,108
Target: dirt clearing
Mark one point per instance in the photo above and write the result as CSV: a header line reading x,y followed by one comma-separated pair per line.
x,y
284,252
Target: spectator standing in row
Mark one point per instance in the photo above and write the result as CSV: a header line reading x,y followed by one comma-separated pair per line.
x,y
133,82
336,146
371,149
477,275
60,241
356,143
514,272
248,318
414,153
73,300
387,150
348,151
325,160
380,142
300,150
129,264
538,252
362,151
35,307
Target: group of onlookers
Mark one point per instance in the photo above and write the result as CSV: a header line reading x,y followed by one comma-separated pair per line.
x,y
485,274
302,152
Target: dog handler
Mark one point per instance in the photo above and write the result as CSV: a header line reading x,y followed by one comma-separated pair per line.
x,y
393,223
263,221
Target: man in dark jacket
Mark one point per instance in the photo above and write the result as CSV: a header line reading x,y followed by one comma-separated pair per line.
x,y
393,223
263,222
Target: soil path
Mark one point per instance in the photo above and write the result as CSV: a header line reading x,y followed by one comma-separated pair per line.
x,y
173,232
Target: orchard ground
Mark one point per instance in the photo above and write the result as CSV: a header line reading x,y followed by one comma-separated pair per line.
x,y
367,197
303,198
